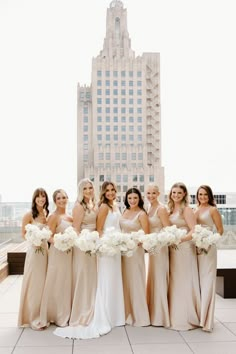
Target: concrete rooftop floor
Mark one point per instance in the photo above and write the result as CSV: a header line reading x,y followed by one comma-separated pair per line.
x,y
124,340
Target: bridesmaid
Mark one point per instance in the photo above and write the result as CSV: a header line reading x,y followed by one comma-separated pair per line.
x,y
35,264
158,270
135,218
184,292
56,300
84,266
208,216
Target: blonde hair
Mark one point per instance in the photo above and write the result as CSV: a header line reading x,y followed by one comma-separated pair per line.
x,y
80,193
184,202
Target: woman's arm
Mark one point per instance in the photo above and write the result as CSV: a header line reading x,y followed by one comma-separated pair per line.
x,y
52,224
27,219
164,217
143,219
216,217
101,217
190,221
78,215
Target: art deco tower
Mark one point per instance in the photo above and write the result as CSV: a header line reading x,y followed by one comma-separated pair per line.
x,y
119,123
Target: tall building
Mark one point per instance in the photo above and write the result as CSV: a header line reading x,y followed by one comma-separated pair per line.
x,y
119,118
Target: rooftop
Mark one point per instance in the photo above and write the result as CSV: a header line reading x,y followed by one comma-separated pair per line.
x,y
125,340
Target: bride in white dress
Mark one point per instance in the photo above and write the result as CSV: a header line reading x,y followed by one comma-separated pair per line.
x,y
109,304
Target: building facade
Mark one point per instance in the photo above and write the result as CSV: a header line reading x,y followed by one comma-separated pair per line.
x,y
119,117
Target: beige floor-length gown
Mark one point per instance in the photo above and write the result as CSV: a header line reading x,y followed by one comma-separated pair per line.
x,y
32,285
134,280
207,265
56,300
184,291
84,278
158,279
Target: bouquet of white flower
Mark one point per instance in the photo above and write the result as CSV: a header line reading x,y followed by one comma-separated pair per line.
x,y
87,241
108,244
36,236
172,235
126,244
66,240
204,238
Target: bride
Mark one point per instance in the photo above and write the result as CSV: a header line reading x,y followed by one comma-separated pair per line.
x,y
109,303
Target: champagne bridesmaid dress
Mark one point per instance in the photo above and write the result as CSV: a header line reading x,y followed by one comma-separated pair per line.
x,y
84,278
33,284
158,279
184,291
207,265
56,300
134,280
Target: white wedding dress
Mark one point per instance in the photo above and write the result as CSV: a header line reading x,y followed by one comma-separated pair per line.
x,y
109,303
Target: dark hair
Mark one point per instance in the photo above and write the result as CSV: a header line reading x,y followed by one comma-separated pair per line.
x,y
103,198
136,191
210,195
185,200
39,192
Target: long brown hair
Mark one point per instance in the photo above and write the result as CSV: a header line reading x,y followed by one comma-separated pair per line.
x,y
39,192
103,198
210,195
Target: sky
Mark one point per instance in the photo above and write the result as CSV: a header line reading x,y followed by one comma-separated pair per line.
x,y
47,48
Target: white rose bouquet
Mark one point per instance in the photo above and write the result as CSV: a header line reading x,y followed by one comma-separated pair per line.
x,y
172,235
127,245
108,244
204,238
66,240
37,236
87,241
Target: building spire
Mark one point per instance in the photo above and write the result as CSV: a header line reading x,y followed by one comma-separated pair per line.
x,y
117,43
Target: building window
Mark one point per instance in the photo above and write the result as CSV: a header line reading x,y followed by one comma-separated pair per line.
x,y
117,156
107,82
101,178
85,110
115,73
107,119
139,92
122,83
135,178
131,92
107,73
131,73
139,83
123,137
118,178
108,128
115,128
123,110
99,128
100,156
139,119
123,119
123,128
139,101
123,101
151,178
107,100
131,110
115,83
131,128
99,73
99,83
123,73
99,109
125,188
140,138
123,92
139,128
115,137
115,92
85,137
99,100
139,73
131,101
115,110
123,156
131,138
133,156
115,100
99,137
85,119
107,92
131,83
139,110
115,119
99,92
108,137
140,156
131,119
99,119
107,109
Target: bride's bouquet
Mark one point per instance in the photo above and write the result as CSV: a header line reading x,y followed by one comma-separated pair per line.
x,y
66,240
204,238
108,244
87,241
36,236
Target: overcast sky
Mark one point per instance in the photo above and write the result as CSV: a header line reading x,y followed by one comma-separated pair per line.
x,y
47,48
